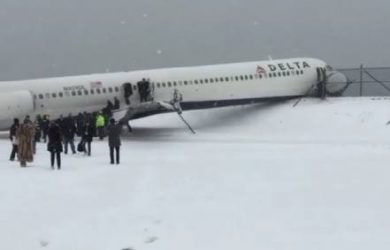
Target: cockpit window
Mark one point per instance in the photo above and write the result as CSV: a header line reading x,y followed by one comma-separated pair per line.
x,y
328,67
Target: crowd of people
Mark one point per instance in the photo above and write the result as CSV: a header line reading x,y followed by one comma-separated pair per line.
x,y
60,136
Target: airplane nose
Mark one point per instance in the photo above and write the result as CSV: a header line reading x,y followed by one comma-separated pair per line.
x,y
336,83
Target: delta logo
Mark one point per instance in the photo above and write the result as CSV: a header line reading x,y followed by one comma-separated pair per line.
x,y
282,67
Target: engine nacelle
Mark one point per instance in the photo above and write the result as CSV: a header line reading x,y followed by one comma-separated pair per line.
x,y
336,83
16,104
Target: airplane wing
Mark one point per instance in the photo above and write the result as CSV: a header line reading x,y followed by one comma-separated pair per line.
x,y
149,108
141,110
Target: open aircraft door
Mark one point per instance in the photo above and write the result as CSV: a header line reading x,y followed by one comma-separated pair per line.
x,y
127,92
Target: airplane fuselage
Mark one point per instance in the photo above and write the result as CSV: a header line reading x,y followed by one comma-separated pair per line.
x,y
200,86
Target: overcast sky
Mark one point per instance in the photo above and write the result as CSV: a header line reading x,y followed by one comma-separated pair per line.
x,y
44,38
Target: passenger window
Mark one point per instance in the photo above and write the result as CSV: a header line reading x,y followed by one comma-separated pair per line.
x,y
241,78
92,92
104,90
279,74
116,89
221,79
206,80
251,77
54,95
98,91
158,85
174,84
163,84
201,81
211,80
196,81
47,95
110,90
246,77
185,82
216,79
237,78
79,92
302,72
169,84
40,96
86,92
60,94
226,79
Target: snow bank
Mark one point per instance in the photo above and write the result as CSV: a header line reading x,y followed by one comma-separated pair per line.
x,y
256,177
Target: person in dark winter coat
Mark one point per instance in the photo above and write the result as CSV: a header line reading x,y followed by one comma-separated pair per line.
x,y
12,137
117,103
108,109
143,90
37,136
44,127
127,91
38,125
114,140
69,132
80,124
54,145
87,136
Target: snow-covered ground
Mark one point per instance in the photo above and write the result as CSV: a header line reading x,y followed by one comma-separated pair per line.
x,y
255,177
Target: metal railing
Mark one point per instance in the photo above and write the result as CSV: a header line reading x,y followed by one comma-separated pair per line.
x,y
367,81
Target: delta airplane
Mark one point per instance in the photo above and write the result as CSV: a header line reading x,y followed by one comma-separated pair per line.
x,y
187,87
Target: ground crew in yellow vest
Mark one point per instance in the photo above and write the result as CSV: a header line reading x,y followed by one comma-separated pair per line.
x,y
100,123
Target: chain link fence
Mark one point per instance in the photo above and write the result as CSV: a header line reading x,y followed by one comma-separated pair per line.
x,y
367,81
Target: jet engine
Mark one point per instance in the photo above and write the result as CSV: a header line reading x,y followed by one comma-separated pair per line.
x,y
334,83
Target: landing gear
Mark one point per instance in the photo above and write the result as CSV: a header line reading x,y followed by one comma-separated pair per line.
x,y
175,102
321,85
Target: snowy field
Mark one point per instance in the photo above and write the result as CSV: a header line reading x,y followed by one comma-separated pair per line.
x,y
255,177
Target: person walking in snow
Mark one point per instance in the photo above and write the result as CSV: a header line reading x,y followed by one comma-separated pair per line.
x,y
44,127
87,137
114,140
100,123
69,132
12,137
54,145
25,136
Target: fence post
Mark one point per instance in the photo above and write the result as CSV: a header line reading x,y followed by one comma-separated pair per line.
x,y
361,79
